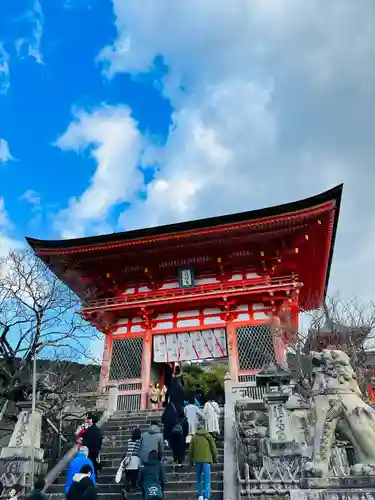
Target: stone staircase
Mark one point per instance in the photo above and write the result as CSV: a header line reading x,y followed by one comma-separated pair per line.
x,y
117,431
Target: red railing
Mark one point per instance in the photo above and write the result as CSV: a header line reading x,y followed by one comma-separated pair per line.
x,y
241,287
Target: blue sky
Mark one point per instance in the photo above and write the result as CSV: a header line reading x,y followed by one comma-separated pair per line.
x,y
117,114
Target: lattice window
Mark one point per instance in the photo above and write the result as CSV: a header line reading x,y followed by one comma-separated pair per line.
x,y
255,347
126,361
129,403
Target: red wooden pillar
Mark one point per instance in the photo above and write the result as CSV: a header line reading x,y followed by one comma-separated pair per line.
x,y
146,368
106,362
278,342
232,350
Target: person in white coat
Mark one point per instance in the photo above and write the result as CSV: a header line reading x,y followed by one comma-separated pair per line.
x,y
192,413
211,413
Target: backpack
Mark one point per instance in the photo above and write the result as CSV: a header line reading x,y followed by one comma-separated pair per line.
x,y
177,429
153,492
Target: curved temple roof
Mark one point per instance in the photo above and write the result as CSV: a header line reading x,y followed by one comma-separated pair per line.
x,y
276,211
270,217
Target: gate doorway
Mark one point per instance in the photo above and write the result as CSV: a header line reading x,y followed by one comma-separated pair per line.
x,y
167,375
162,373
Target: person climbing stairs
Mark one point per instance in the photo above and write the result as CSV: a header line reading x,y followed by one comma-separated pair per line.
x,y
180,483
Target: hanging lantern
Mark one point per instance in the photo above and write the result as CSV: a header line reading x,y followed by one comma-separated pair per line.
x,y
146,270
296,250
262,254
319,222
306,237
108,275
219,260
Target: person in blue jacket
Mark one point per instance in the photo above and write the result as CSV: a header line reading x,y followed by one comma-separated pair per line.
x,y
76,465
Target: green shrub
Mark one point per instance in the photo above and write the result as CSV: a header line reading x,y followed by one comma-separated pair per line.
x,y
211,383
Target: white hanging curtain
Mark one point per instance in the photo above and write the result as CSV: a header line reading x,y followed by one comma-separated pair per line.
x,y
190,346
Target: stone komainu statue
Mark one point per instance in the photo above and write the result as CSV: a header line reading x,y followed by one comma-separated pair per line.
x,y
338,405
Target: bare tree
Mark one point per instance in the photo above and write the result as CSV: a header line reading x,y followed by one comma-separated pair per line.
x,y
346,324
37,312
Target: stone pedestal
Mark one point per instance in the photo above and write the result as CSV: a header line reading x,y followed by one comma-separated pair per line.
x,y
336,488
334,494
281,440
15,459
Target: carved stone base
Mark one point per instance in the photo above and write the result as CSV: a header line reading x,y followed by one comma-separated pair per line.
x,y
334,494
23,452
17,469
346,482
336,488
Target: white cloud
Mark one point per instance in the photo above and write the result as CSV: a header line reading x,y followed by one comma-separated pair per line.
x,y
5,155
274,101
33,199
4,70
4,218
96,349
112,139
202,42
30,45
7,242
209,151
30,196
36,41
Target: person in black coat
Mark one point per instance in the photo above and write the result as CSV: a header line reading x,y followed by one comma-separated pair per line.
x,y
176,392
82,486
93,440
176,428
178,376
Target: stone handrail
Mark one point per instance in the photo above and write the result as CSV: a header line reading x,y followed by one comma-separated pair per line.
x,y
4,409
234,392
230,460
68,457
247,390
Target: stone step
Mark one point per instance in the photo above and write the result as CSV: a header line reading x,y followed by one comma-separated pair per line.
x,y
112,487
119,440
169,468
143,416
115,462
118,427
141,413
118,454
110,444
168,495
136,416
149,411
139,418
172,473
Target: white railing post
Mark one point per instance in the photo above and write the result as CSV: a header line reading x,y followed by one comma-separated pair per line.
x,y
230,459
112,397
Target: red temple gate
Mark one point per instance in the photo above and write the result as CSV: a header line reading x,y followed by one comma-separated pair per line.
x,y
228,287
